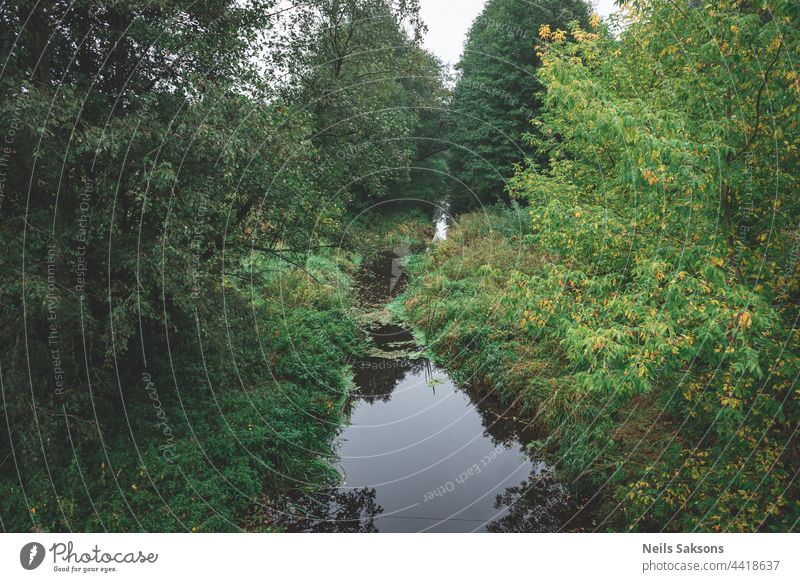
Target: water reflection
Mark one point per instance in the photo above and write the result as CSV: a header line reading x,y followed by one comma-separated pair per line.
x,y
439,458
540,504
328,512
499,422
382,277
376,378
423,454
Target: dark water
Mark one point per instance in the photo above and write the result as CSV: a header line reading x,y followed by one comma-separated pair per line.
x,y
422,454
424,447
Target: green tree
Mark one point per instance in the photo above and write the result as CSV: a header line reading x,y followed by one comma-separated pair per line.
x,y
357,66
146,159
495,99
667,207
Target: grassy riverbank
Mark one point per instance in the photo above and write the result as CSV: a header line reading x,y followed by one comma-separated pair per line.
x,y
231,431
488,305
240,419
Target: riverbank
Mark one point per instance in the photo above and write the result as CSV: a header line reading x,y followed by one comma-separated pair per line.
x,y
420,451
567,350
342,283
464,300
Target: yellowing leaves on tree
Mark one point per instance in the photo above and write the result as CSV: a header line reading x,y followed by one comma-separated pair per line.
x,y
544,31
646,296
745,320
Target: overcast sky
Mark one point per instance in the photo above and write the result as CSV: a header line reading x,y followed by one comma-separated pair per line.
x,y
449,20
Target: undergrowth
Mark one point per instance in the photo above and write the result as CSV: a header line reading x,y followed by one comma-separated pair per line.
x,y
500,313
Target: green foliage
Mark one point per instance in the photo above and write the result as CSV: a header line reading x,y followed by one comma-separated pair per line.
x,y
176,326
166,207
388,226
465,300
375,94
493,100
659,204
654,339
211,443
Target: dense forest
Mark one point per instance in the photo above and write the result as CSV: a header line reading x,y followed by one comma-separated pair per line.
x,y
189,193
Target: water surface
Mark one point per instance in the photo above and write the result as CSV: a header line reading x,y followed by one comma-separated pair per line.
x,y
420,453
428,455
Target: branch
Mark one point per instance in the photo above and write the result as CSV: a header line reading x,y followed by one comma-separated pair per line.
x,y
293,263
758,103
434,152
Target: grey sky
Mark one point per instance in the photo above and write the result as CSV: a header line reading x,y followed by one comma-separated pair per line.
x,y
449,20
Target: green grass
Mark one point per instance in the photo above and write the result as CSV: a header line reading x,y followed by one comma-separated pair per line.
x,y
459,304
247,422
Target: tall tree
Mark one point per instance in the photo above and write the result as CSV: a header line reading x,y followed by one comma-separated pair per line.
x,y
495,96
144,159
669,208
357,66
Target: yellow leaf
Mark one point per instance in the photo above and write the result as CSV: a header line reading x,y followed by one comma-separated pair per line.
x,y
544,31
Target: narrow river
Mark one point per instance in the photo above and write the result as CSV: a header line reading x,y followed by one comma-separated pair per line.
x,y
426,454
436,456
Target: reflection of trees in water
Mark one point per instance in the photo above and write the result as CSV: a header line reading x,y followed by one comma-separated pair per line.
x,y
377,378
497,420
539,504
330,512
394,341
